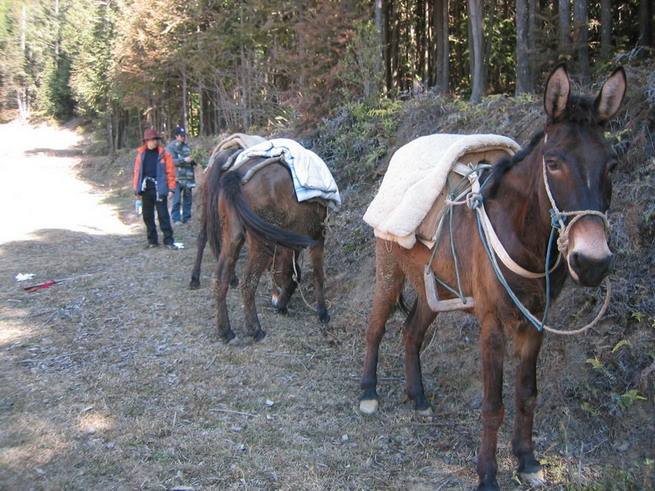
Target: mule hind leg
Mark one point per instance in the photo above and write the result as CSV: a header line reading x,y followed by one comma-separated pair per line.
x,y
257,260
416,325
389,280
201,242
232,240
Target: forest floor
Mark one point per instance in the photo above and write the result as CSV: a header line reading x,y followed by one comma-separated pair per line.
x,y
115,378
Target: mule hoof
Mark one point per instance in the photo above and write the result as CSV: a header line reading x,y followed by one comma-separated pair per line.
x,y
489,487
323,316
251,338
425,412
234,282
194,284
368,406
281,310
227,337
535,478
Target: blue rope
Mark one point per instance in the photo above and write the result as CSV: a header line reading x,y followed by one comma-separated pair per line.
x,y
475,203
502,280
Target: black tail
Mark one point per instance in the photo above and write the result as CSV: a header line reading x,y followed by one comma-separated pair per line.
x,y
232,193
211,219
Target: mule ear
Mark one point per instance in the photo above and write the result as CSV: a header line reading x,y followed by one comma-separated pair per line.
x,y
556,95
611,95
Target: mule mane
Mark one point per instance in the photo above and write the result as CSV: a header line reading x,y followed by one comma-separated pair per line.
x,y
505,164
580,109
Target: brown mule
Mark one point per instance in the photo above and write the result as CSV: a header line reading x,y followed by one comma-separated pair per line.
x,y
284,272
577,160
264,212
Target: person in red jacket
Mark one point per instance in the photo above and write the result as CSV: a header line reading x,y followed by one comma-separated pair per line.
x,y
154,184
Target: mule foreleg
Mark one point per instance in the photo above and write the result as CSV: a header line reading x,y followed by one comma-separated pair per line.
x,y
528,343
492,351
416,326
316,256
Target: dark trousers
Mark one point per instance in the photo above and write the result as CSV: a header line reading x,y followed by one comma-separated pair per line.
x,y
149,200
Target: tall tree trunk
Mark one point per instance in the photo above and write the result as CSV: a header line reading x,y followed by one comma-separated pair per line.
x,y
379,24
605,29
488,39
477,51
646,23
564,31
441,29
58,36
421,41
580,20
523,84
533,18
110,130
394,40
185,109
386,47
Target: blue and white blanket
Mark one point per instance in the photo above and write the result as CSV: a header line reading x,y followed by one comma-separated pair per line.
x,y
311,176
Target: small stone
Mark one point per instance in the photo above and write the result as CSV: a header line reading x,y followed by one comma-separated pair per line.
x,y
344,438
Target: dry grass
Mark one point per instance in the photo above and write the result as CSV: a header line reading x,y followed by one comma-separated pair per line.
x,y
115,379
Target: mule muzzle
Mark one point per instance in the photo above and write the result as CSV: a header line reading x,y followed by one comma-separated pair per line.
x,y
589,257
590,271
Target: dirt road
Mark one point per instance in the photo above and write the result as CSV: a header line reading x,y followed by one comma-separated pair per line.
x,y
41,190
115,379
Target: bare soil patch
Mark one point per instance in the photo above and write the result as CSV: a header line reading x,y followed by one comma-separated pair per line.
x,y
115,378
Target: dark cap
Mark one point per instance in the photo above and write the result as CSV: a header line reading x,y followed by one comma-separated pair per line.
x,y
179,131
150,134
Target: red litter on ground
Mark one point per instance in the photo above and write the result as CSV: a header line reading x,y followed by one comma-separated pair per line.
x,y
42,286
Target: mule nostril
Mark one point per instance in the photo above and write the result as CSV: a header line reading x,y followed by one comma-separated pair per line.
x,y
591,270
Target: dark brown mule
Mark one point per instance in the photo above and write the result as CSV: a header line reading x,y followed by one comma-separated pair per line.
x,y
265,213
283,270
578,162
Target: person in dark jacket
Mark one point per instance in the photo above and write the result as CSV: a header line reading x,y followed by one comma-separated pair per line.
x,y
185,174
154,184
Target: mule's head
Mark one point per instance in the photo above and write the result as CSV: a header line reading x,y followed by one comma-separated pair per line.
x,y
285,275
578,163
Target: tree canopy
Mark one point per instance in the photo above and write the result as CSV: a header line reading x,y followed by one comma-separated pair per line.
x,y
226,65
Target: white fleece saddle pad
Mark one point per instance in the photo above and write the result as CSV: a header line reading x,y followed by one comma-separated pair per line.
x,y
235,140
310,174
416,176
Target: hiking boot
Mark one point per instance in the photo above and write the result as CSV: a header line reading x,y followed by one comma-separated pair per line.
x,y
171,247
151,246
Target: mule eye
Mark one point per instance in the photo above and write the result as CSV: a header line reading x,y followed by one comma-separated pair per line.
x,y
553,165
